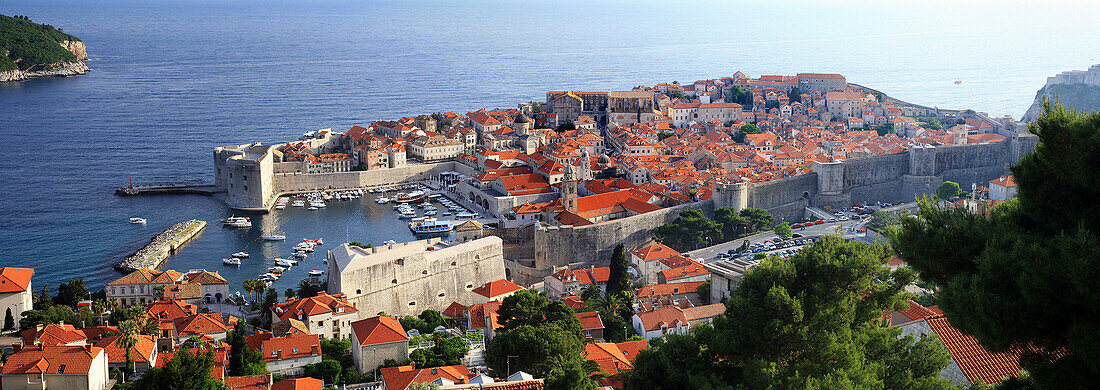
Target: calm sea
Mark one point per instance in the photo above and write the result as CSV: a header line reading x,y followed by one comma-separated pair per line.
x,y
171,80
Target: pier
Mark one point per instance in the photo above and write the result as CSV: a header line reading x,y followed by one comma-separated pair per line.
x,y
153,254
202,189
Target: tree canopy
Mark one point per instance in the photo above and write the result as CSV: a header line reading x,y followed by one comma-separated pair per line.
x,y
1023,277
948,190
185,371
534,330
809,321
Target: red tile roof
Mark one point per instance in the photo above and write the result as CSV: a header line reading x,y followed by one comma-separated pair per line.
x,y
974,360
667,289
15,279
655,252
298,384
250,382
1007,181
199,324
398,378
142,351
322,303
497,288
51,359
170,310
292,346
455,310
53,334
590,320
483,314
378,330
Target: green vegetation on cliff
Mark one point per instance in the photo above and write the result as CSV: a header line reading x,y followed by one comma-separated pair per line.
x,y
25,44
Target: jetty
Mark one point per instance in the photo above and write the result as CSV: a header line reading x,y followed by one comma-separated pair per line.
x,y
202,189
160,246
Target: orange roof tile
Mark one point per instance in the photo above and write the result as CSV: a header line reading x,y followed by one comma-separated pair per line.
x,y
15,279
51,359
976,362
142,351
655,252
378,330
298,384
667,289
590,320
398,378
497,288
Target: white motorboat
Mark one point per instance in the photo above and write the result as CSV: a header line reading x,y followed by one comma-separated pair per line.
x,y
286,263
382,200
240,255
312,208
270,276
232,261
316,272
280,206
240,222
138,221
277,270
389,242
275,237
317,203
300,254
298,203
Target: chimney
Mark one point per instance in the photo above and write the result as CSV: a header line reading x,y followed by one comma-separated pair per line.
x,y
17,347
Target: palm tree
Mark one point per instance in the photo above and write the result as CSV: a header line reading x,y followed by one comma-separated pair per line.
x,y
128,331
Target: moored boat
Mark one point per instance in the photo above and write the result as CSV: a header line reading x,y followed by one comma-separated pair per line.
x,y
232,261
138,221
431,226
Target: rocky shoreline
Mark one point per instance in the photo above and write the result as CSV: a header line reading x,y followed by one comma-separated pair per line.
x,y
64,69
58,70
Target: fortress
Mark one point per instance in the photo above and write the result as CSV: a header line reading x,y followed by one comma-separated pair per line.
x,y
892,178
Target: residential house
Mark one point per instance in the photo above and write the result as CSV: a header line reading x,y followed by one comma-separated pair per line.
x,y
55,367
15,294
646,262
143,354
139,287
326,315
592,325
1003,188
673,292
659,322
214,287
377,339
614,358
566,282
288,354
399,378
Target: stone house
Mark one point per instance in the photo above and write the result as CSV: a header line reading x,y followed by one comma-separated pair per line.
x,y
495,290
566,282
377,339
143,354
646,262
214,287
15,294
592,325
139,287
1002,188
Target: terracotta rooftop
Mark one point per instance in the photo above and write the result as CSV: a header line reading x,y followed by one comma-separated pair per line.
x,y
655,252
51,360
322,303
142,351
15,279
497,288
590,320
667,289
298,384
399,378
976,362
54,334
1007,181
378,330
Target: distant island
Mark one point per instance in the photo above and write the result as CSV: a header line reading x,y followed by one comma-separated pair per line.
x,y
38,50
1077,89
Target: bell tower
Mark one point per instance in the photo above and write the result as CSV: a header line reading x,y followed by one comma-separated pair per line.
x,y
569,190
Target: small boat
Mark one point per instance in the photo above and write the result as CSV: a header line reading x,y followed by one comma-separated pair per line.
x,y
232,261
319,241
466,215
389,242
138,221
312,208
275,237
286,263
240,255
280,206
300,254
298,203
431,226
277,270
382,200
317,203
239,222
405,214
270,276
316,272
410,197
430,212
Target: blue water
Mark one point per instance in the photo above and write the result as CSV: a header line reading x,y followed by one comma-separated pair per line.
x,y
172,80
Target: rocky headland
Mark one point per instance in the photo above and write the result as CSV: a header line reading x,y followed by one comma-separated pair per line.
x,y
1076,89
29,50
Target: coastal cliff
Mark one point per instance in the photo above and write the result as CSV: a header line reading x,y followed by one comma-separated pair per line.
x,y
1077,89
29,50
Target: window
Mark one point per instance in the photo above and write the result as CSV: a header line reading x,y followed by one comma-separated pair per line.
x,y
394,281
358,292
274,353
425,272
412,303
442,294
295,350
61,369
320,323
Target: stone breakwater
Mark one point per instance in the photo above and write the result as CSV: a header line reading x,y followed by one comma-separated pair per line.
x,y
162,245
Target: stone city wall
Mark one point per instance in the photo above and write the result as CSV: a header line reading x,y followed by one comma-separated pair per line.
x,y
291,183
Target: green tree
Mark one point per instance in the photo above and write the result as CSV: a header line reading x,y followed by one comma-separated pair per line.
x,y
242,359
423,386
794,95
431,318
289,293
338,350
127,339
327,370
690,231
410,322
307,289
1023,277
447,351
740,95
759,219
527,348
948,190
534,329
618,279
71,292
615,312
704,292
566,126
271,297
783,230
747,128
678,362
185,371
788,316
571,372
